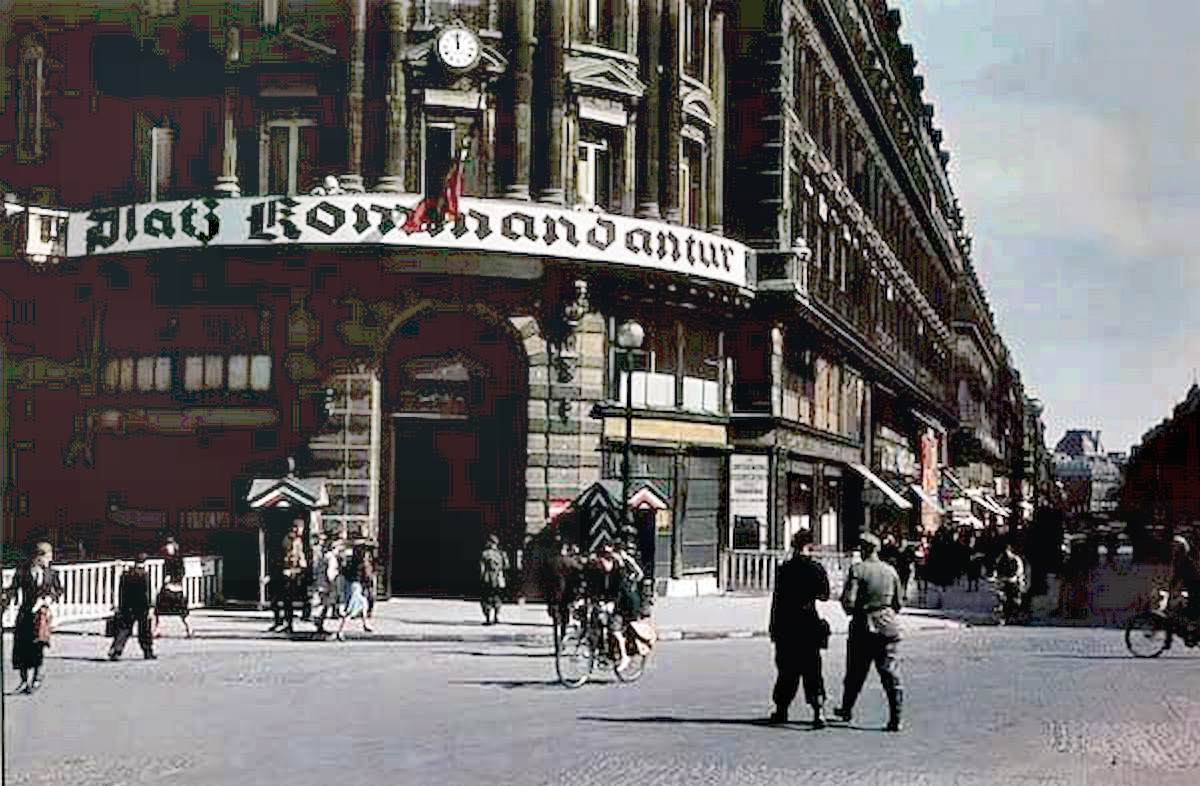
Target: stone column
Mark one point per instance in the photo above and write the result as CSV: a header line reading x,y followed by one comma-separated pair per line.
x,y
522,119
395,168
648,127
716,200
227,184
673,120
352,180
555,67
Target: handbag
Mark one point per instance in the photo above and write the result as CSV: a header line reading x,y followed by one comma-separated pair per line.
x,y
41,626
110,626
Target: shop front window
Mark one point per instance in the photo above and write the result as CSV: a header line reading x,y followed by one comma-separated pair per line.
x,y
679,367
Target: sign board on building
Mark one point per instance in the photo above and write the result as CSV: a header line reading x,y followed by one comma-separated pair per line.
x,y
485,225
749,492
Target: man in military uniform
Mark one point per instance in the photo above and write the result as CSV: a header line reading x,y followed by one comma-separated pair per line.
x,y
871,596
798,631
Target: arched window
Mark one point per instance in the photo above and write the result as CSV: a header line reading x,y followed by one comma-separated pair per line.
x,y
31,93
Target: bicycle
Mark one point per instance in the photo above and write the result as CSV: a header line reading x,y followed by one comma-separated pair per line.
x,y
1152,632
588,643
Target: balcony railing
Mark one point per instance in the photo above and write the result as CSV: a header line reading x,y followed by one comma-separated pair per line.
x,y
787,272
90,588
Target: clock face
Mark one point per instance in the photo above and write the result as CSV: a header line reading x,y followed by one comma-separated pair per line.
x,y
458,48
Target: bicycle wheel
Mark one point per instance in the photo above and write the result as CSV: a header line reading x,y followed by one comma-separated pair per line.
x,y
634,671
574,657
1147,635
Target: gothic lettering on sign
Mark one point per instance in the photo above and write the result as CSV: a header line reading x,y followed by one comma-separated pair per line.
x,y
663,239
610,234
104,228
344,220
187,218
638,240
527,224
317,216
159,223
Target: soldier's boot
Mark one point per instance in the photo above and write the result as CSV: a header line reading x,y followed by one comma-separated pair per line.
x,y
895,705
818,721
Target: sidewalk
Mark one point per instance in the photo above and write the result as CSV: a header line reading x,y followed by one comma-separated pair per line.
x,y
433,621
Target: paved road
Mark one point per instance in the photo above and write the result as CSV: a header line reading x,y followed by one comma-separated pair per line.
x,y
986,706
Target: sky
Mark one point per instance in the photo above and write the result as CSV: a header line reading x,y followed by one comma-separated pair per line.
x,y
1074,133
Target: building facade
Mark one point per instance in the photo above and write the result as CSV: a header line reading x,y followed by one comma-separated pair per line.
x,y
1160,494
843,395
1090,476
189,302
212,266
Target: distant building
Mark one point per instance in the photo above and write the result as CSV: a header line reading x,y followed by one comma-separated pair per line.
x,y
1090,476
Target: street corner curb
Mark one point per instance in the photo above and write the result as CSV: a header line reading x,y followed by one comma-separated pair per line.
x,y
711,635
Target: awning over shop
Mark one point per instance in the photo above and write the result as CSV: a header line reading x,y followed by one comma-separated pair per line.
x,y
992,504
954,481
883,486
986,502
927,498
289,492
966,519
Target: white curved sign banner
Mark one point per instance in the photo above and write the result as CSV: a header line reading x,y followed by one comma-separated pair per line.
x,y
485,225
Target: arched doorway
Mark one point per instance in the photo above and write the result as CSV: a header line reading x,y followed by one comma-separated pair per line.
x,y
455,392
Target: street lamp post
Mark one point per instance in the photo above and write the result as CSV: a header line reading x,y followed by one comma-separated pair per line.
x,y
630,336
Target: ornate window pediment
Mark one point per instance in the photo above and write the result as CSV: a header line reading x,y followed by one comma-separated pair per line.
x,y
587,75
698,104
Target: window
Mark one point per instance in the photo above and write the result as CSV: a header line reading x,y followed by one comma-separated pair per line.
x,y
593,170
695,29
24,312
157,8
600,166
444,137
602,22
691,184
289,148
472,12
143,374
660,381
154,146
31,95
239,372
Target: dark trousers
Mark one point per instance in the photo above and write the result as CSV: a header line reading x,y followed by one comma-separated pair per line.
x,y
125,630
862,649
287,591
796,663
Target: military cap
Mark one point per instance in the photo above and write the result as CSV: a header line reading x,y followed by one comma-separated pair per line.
x,y
867,539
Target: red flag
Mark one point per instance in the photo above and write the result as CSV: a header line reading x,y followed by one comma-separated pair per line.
x,y
437,209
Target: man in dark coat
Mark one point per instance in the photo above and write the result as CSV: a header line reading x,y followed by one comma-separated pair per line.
x,y
871,596
798,631
133,608
561,577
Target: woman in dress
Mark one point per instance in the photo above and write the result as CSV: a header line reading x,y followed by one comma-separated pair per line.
x,y
39,586
172,601
362,576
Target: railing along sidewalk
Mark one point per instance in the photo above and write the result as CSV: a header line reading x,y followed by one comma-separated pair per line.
x,y
754,570
90,588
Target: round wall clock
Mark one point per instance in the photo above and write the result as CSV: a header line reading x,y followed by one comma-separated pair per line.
x,y
458,48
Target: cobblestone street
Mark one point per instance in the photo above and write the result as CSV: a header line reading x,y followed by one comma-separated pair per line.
x,y
985,706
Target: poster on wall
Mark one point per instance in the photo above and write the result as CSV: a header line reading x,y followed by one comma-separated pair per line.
x,y
748,495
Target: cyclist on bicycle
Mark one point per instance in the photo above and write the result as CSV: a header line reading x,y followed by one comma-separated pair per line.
x,y
605,580
1009,574
1186,576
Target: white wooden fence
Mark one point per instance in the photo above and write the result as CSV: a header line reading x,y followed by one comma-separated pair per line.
x,y
751,570
90,588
